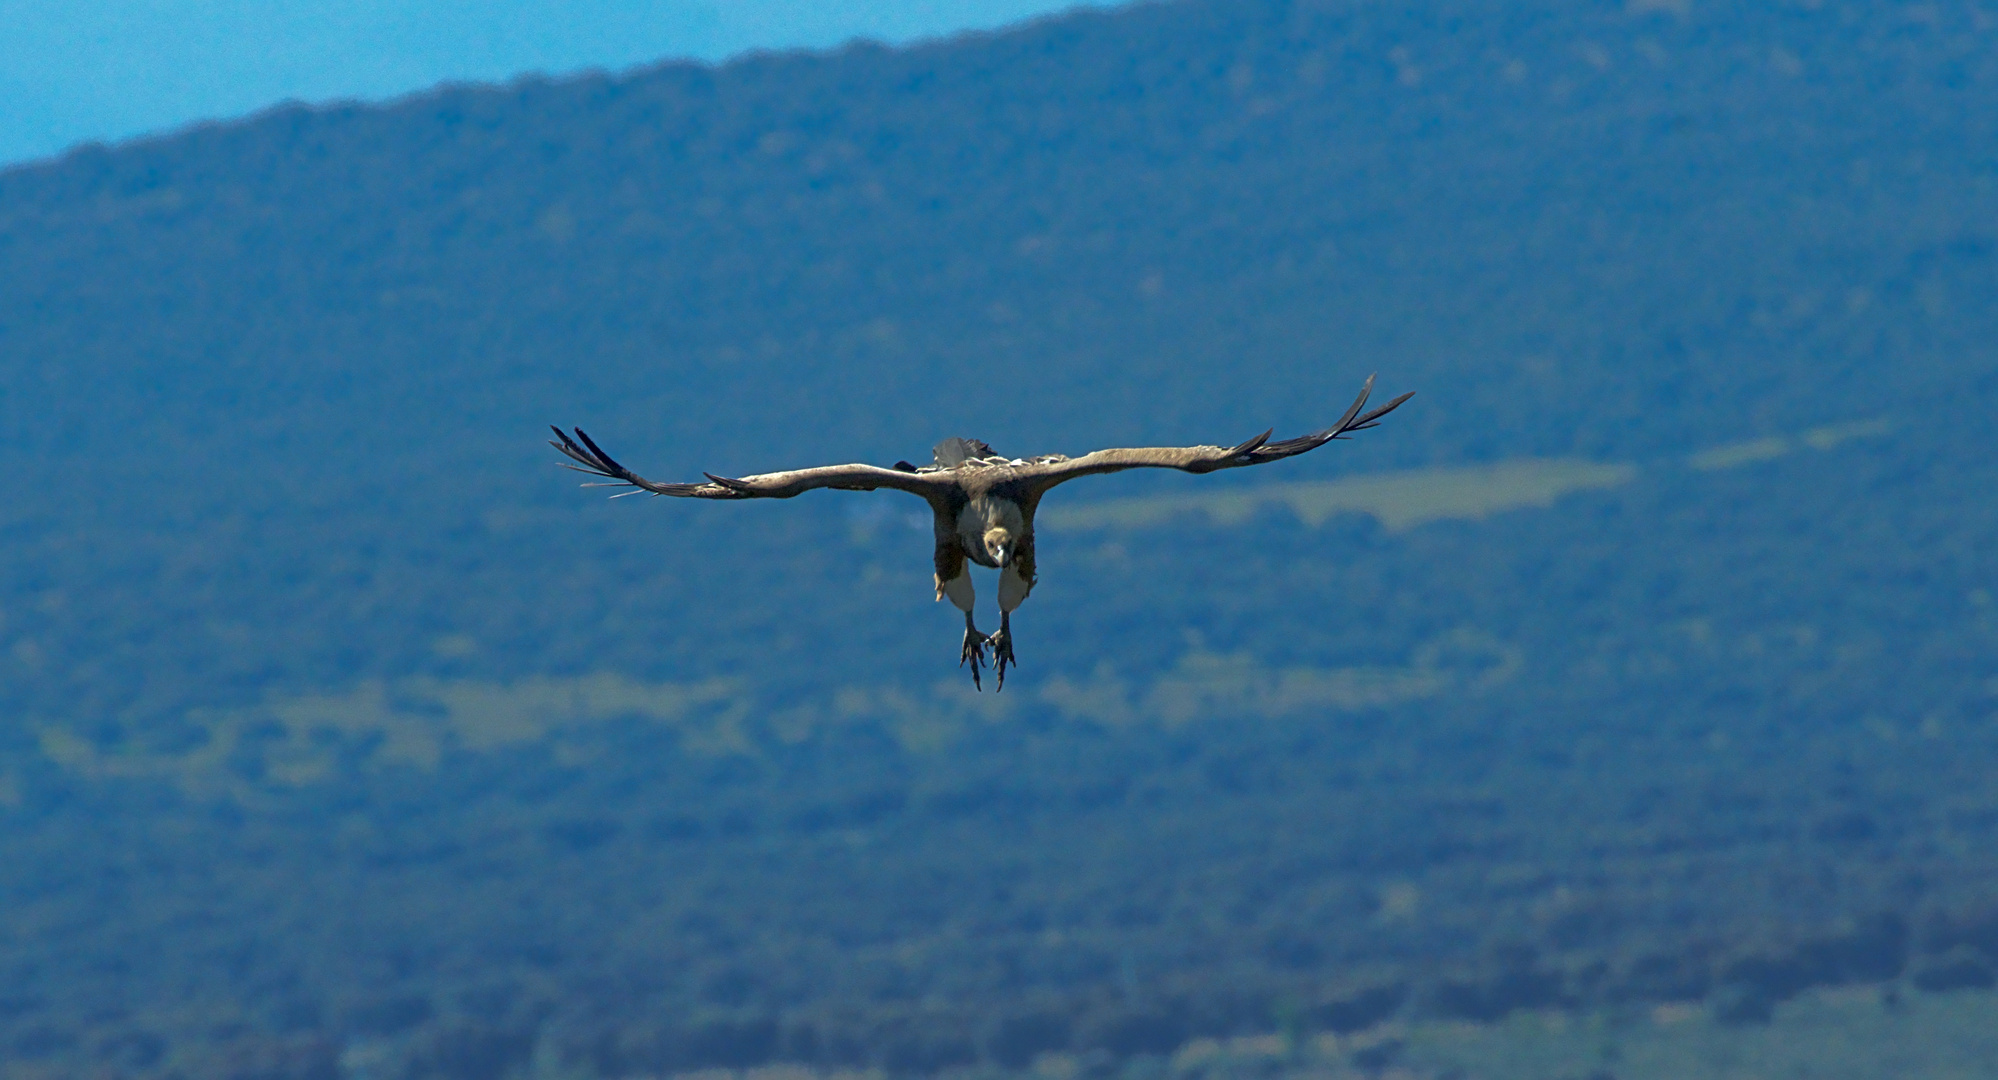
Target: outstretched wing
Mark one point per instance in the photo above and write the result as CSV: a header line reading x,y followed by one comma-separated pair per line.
x,y
1206,459
591,459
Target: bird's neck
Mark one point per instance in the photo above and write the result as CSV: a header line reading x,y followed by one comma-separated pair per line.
x,y
983,514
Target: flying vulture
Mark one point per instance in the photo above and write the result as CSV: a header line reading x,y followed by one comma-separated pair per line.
x,y
984,502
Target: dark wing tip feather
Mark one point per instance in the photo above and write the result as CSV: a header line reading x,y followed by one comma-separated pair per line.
x,y
1292,447
568,447
1374,417
1252,443
609,462
1353,410
732,485
592,460
1353,420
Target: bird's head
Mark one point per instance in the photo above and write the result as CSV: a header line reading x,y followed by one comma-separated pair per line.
x,y
999,545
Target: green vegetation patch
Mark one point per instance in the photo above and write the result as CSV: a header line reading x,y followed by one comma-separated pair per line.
x,y
1398,500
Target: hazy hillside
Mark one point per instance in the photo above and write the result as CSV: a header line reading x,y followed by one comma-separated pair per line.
x,y
340,725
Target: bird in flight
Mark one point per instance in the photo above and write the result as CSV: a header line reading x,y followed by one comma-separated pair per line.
x,y
984,502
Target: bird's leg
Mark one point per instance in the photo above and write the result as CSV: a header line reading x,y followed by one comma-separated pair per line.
x,y
1016,580
958,588
974,650
1002,647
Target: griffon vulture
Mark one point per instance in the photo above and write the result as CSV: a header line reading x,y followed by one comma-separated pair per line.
x,y
984,502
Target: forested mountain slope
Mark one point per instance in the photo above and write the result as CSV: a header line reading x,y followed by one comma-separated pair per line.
x,y
339,722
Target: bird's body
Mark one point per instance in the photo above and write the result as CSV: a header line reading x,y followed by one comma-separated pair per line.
x,y
993,528
983,502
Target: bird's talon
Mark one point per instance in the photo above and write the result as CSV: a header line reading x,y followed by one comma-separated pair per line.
x,y
1002,655
973,653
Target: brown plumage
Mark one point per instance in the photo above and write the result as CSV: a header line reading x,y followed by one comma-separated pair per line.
x,y
984,503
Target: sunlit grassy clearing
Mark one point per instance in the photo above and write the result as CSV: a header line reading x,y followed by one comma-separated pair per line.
x,y
1856,1033
1404,500
1399,500
1846,1034
414,723
1735,455
300,740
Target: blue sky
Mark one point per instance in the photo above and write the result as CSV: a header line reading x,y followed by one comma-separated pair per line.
x,y
78,70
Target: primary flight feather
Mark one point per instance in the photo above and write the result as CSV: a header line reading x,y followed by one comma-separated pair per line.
x,y
983,502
